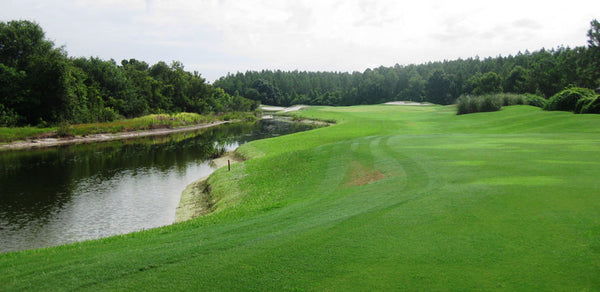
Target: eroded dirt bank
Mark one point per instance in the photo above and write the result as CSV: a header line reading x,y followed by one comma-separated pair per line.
x,y
196,199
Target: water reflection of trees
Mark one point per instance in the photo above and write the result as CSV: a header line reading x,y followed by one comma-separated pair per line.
x,y
37,183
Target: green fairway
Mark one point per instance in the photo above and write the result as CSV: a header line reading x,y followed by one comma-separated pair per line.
x,y
390,198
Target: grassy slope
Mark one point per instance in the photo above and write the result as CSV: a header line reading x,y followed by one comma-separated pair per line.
x,y
390,198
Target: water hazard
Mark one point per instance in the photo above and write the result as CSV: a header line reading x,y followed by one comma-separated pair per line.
x,y
66,194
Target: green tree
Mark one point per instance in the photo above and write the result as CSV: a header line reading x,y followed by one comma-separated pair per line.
x,y
594,52
594,34
518,81
546,73
20,41
38,69
439,88
489,82
269,94
415,88
12,93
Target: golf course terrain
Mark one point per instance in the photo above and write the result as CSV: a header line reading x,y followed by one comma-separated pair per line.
x,y
391,197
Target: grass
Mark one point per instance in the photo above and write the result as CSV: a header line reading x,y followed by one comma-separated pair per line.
x,y
389,198
21,133
154,121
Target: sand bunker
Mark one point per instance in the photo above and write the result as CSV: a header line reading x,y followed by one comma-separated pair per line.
x,y
282,109
407,103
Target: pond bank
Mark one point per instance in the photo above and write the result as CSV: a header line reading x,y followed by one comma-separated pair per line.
x,y
57,195
196,200
52,142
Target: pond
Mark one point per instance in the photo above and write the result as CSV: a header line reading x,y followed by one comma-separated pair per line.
x,y
60,195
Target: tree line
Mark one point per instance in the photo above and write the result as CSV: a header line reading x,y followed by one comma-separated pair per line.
x,y
40,84
543,72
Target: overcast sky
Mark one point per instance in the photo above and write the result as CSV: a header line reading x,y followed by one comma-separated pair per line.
x,y
216,37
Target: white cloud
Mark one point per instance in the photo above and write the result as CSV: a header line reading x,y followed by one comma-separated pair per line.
x,y
217,36
111,5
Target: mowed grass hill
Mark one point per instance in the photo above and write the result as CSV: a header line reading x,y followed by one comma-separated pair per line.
x,y
389,198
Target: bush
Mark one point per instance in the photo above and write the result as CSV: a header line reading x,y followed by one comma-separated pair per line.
x,y
535,100
467,104
589,106
568,99
490,103
64,130
581,103
483,103
513,99
109,114
8,117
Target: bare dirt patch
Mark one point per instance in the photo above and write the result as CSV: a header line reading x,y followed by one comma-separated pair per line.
x,y
360,175
195,201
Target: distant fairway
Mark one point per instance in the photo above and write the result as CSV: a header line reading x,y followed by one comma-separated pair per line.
x,y
390,198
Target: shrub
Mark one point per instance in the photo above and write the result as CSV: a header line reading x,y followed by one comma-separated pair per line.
x,y
513,99
467,104
581,103
483,103
464,105
590,106
64,130
490,103
8,117
567,100
228,117
535,100
109,114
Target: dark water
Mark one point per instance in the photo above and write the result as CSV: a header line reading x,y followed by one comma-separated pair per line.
x,y
65,194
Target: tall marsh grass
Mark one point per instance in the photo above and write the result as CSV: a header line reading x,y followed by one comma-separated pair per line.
x,y
149,122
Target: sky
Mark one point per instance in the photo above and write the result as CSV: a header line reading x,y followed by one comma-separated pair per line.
x,y
217,37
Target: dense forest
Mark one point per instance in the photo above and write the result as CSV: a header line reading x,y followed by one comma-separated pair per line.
x,y
40,84
543,72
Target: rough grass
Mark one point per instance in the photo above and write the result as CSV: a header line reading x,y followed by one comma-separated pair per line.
x,y
21,133
502,200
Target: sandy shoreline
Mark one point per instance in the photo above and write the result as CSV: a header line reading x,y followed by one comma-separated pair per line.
x,y
51,142
196,200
